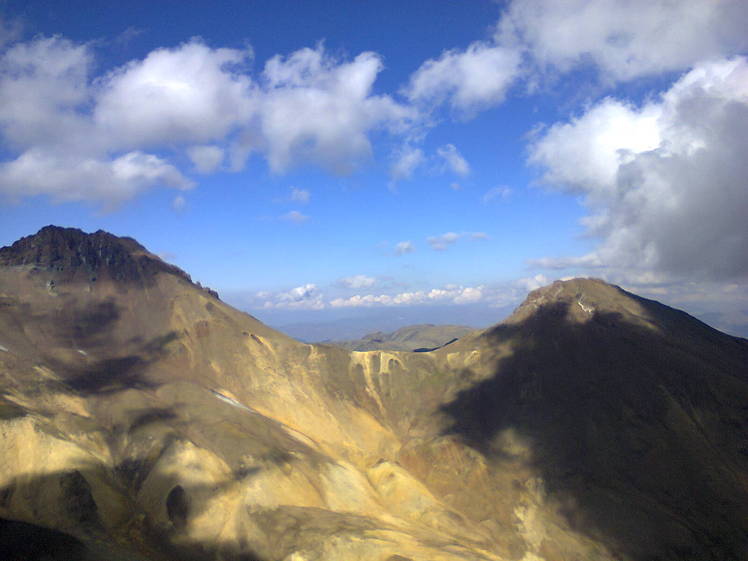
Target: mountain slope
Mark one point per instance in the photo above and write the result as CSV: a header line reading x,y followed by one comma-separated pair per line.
x,y
145,419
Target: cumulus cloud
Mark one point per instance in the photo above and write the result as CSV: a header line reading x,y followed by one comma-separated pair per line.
x,y
191,93
401,248
621,40
190,100
43,83
304,297
450,293
312,297
70,178
468,80
406,160
67,150
624,40
316,109
443,241
665,181
357,281
206,159
453,160
532,283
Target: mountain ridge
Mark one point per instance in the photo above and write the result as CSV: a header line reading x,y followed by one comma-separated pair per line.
x,y
76,255
158,422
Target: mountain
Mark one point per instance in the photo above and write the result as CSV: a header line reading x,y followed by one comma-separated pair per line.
x,y
419,338
142,418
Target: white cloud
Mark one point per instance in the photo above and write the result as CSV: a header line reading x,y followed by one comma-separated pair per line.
x,y
625,40
468,294
532,283
311,297
304,297
43,83
622,40
443,241
454,161
407,159
295,216
587,152
666,181
468,80
61,149
357,281
71,178
190,93
496,193
300,196
189,100
206,159
314,109
401,248
450,293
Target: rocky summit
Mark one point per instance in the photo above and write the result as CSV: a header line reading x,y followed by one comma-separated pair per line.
x,y
141,418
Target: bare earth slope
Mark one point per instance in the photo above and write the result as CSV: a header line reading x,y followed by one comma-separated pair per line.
x,y
142,418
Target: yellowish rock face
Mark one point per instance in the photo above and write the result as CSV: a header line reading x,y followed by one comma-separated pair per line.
x,y
146,419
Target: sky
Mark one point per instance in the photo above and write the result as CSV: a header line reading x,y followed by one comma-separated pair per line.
x,y
319,162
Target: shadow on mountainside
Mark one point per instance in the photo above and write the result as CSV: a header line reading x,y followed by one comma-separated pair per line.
x,y
81,346
69,507
68,525
640,435
111,374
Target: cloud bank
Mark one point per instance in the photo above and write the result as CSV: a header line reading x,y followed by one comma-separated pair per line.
x,y
76,136
665,181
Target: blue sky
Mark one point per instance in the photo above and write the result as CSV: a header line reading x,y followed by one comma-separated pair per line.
x,y
318,160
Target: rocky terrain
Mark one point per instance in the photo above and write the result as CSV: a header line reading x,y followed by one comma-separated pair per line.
x,y
414,338
143,419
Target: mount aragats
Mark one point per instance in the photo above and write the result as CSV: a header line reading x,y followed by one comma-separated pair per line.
x,y
143,419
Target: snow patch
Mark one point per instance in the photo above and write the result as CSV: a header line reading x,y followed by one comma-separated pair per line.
x,y
586,309
231,401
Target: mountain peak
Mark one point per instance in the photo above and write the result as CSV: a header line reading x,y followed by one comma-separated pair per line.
x,y
70,254
582,298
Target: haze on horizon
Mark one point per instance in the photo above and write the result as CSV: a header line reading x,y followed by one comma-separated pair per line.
x,y
319,162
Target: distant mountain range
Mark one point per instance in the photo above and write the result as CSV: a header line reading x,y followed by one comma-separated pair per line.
x,y
144,419
418,338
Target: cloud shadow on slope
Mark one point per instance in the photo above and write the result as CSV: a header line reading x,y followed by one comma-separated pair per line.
x,y
638,434
113,374
81,535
